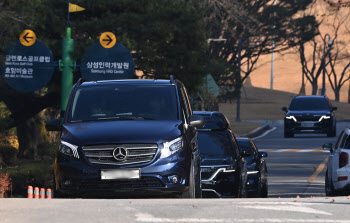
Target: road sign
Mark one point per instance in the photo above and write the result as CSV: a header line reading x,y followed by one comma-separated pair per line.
x,y
28,69
108,40
107,64
27,38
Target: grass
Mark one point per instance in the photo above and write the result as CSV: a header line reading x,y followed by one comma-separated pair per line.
x,y
266,104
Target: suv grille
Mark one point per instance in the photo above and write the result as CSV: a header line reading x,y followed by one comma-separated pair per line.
x,y
132,154
307,118
207,172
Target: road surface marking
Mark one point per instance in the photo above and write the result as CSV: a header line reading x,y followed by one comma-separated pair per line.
x,y
293,208
144,217
318,170
294,150
265,133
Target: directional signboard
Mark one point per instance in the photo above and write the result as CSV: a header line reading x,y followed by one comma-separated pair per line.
x,y
28,68
108,40
100,63
27,38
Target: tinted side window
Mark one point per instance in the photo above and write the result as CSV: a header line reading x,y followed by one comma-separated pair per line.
x,y
235,145
344,139
347,142
188,101
246,146
184,104
255,150
340,137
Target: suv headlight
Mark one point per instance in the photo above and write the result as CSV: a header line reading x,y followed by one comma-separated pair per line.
x,y
68,149
171,147
291,117
324,117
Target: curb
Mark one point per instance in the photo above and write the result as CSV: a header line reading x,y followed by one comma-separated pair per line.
x,y
258,131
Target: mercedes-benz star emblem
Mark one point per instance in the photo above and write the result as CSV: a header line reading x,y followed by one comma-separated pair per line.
x,y
119,153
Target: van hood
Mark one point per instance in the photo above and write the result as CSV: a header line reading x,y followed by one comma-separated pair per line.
x,y
120,131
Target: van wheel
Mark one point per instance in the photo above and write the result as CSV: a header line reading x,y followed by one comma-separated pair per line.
x,y
191,192
198,191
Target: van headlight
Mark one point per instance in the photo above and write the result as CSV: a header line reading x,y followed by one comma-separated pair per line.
x,y
68,149
172,147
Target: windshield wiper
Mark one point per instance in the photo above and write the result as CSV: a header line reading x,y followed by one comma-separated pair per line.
x,y
125,118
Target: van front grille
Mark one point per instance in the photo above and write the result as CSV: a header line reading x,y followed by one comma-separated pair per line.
x,y
120,154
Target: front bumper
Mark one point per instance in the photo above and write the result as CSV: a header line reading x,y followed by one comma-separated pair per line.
x,y
307,126
75,176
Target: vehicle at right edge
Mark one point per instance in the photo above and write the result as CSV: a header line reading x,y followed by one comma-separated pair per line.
x,y
257,185
310,114
337,180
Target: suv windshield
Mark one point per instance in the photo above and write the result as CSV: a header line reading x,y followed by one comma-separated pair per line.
x,y
216,144
153,102
300,104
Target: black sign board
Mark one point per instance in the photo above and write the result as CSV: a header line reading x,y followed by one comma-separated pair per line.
x,y
28,69
100,63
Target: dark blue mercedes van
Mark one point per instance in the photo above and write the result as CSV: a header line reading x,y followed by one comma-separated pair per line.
x,y
130,138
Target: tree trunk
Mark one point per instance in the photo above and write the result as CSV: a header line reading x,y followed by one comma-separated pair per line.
x,y
29,137
314,87
337,94
349,93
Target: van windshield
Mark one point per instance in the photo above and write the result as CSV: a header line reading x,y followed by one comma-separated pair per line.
x,y
113,102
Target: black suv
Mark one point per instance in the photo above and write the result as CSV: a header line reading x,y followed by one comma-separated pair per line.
x,y
223,169
130,138
310,114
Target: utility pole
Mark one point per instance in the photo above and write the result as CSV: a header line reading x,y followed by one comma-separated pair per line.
x,y
238,118
325,54
273,52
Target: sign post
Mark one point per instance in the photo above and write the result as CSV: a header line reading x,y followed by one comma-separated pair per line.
x,y
66,65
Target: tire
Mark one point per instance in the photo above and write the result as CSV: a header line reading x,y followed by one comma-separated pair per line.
x,y
191,192
242,189
329,188
265,190
56,193
332,132
288,134
262,190
198,190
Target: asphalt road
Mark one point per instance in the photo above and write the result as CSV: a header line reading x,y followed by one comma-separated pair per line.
x,y
310,210
295,164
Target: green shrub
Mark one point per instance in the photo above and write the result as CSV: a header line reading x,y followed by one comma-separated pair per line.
x,y
35,173
8,154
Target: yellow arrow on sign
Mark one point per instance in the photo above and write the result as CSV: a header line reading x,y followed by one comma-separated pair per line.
x,y
27,37
108,40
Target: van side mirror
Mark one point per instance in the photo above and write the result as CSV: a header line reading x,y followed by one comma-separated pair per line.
x,y
284,109
328,147
197,121
53,125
